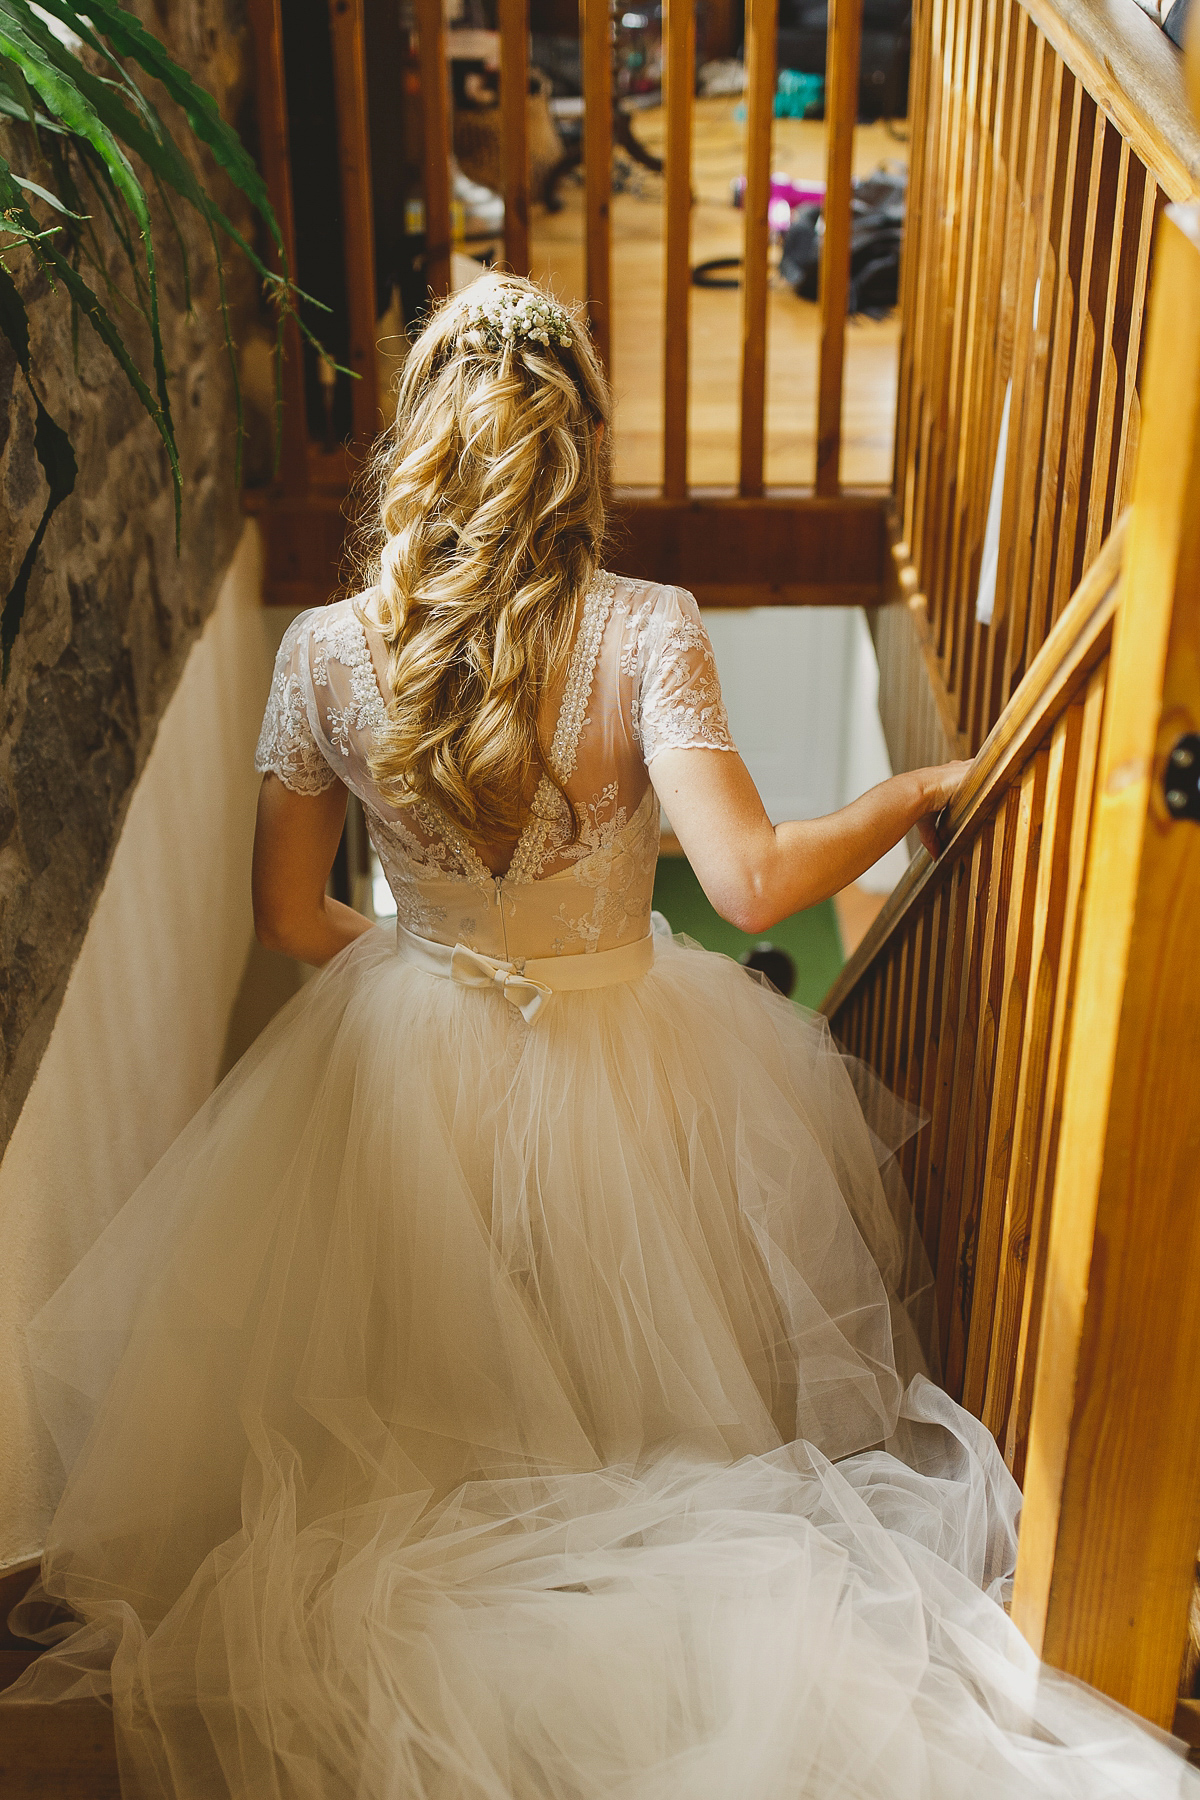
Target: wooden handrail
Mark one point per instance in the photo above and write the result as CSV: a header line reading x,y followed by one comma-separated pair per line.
x,y
1135,74
1074,646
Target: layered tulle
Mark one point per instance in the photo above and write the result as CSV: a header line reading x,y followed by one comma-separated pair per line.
x,y
471,1408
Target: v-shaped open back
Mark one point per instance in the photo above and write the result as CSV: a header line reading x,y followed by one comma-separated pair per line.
x,y
640,676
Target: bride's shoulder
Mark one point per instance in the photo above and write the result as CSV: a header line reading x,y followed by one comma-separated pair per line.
x,y
653,612
350,609
336,633
643,601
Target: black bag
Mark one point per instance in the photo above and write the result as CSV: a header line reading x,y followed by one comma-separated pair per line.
x,y
877,223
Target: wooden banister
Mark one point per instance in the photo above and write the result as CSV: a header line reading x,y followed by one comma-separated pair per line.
x,y
1047,136
1035,992
1112,1519
1135,74
960,997
1078,641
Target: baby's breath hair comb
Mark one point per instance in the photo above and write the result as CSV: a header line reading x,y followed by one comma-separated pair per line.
x,y
508,320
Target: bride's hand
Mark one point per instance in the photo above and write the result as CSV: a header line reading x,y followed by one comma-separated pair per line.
x,y
940,786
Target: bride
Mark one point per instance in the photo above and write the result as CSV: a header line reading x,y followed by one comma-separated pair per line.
x,y
510,1386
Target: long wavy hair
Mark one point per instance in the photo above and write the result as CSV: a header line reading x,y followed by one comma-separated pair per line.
x,y
487,501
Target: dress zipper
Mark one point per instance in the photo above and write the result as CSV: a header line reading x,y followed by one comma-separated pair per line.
x,y
499,883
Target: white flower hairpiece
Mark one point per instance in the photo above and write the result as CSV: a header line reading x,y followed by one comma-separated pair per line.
x,y
531,318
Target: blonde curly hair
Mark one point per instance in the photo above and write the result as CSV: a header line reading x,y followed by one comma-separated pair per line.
x,y
488,501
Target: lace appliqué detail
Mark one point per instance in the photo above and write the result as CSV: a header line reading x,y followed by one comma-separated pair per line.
x,y
286,746
344,641
548,827
605,876
616,858
449,840
683,710
631,641
398,848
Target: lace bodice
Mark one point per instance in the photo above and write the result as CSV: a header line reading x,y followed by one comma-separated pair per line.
x,y
641,678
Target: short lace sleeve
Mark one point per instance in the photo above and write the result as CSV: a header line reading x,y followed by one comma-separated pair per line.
x,y
286,745
678,703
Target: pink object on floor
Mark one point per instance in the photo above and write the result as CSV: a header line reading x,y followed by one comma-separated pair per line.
x,y
785,194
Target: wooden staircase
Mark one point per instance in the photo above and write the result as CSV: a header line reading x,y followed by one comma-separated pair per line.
x,y
1037,991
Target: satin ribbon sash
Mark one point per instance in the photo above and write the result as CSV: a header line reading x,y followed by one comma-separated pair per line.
x,y
526,983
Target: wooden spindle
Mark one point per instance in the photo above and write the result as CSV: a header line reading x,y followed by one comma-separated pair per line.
x,y
348,36
1051,1072
761,21
841,113
266,22
1010,216
679,41
514,130
1064,301
998,1101
940,525
1049,914
1103,161
961,164
596,35
435,121
1028,222
1127,442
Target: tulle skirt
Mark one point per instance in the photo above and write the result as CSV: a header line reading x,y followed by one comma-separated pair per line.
x,y
468,1409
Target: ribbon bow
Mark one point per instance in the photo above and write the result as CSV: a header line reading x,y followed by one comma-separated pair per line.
x,y
472,969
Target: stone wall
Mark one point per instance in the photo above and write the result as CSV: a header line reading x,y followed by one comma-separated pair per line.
x,y
111,609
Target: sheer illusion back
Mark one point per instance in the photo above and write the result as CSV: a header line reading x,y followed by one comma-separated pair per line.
x,y
640,677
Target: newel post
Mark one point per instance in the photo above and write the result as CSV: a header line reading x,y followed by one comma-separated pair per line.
x,y
1112,1516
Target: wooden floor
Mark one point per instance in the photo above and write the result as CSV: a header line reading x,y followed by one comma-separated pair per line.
x,y
61,1752
871,347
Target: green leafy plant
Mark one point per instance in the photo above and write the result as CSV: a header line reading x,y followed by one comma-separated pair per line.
x,y
93,126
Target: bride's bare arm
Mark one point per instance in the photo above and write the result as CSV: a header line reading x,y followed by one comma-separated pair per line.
x,y
756,873
295,841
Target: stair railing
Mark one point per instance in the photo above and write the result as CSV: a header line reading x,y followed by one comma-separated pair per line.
x,y
1046,137
1036,992
736,547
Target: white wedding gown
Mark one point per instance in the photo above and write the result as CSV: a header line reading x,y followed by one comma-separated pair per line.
x,y
508,1387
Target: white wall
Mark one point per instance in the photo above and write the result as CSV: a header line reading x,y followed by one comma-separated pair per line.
x,y
139,1037
801,686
